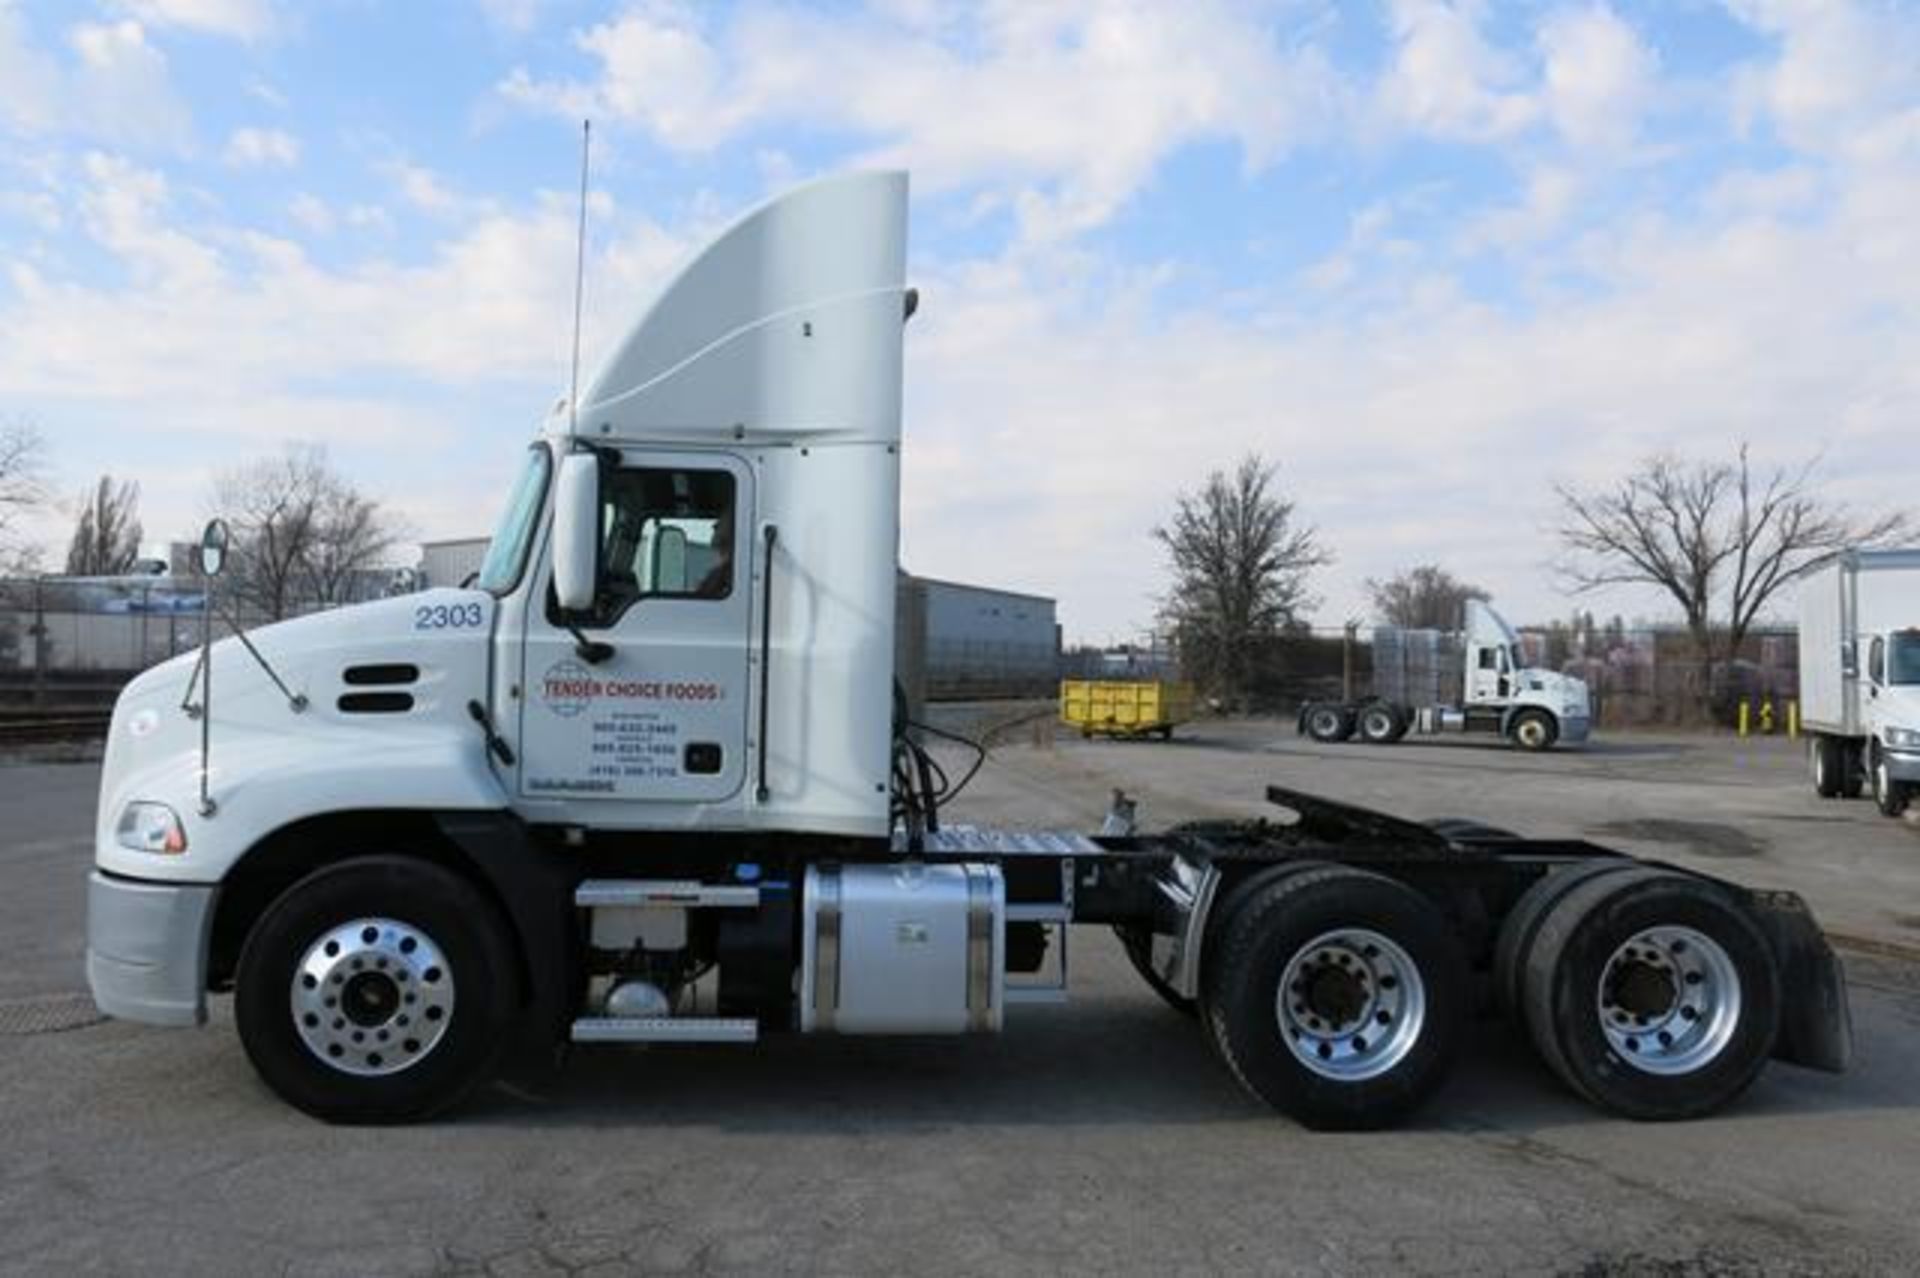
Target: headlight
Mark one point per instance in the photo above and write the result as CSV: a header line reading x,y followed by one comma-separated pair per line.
x,y
151,827
1903,737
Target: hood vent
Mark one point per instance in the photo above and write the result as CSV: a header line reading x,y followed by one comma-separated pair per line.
x,y
380,675
375,702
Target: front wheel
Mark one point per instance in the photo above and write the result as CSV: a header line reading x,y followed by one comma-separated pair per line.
x,y
1534,730
1889,795
1337,996
379,990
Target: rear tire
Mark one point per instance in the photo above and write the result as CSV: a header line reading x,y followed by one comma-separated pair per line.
x,y
1853,771
1653,995
1514,946
379,990
1826,757
1533,731
1379,723
1337,996
1329,723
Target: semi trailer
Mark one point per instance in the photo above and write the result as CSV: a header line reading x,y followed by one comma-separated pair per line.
x,y
1497,694
649,781
1860,675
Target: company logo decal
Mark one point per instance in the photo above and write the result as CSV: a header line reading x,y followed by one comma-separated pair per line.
x,y
569,689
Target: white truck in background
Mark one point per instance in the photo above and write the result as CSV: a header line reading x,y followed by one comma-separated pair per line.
x,y
1497,693
1860,675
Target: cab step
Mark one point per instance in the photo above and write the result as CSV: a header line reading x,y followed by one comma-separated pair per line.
x,y
684,893
666,1029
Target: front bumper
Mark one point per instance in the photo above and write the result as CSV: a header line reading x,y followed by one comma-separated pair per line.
x,y
1575,730
147,948
1903,765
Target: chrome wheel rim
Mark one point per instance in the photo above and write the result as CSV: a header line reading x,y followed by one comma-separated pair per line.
x,y
1325,723
1379,724
1532,732
1669,1000
372,997
1819,766
1351,1005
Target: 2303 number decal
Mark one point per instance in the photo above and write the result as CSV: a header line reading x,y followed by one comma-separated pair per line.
x,y
448,616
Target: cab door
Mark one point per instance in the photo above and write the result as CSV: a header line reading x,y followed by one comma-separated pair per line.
x,y
662,716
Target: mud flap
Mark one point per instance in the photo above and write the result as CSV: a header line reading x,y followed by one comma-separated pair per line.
x,y
1816,1027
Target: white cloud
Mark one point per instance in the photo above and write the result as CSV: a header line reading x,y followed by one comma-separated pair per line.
x,y
1446,80
251,148
1599,76
1070,107
517,16
312,213
112,84
239,19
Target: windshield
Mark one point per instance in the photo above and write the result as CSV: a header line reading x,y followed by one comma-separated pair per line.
x,y
507,553
1903,657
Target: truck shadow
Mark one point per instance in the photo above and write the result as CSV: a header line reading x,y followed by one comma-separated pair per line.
x,y
1114,1061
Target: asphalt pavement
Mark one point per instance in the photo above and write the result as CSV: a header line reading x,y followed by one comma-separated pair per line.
x,y
1099,1137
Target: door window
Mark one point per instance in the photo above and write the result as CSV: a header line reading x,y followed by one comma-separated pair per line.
x,y
664,533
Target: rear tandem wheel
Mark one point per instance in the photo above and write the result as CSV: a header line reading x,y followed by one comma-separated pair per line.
x,y
1652,994
1336,996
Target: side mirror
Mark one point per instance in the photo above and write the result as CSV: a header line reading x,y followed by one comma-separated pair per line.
x,y
576,531
213,548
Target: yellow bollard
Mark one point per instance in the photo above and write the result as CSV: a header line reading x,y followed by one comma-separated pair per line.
x,y
1766,717
1743,718
1793,719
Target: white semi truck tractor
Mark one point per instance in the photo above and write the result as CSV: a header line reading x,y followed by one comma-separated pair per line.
x,y
646,782
1498,695
1860,675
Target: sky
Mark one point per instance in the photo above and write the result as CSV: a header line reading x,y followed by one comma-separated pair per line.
x,y
1431,259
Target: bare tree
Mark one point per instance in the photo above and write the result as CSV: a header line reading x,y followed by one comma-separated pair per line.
x,y
351,535
302,532
1424,597
1240,568
23,454
106,539
1720,538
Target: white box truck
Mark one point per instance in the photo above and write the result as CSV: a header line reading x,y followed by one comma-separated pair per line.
x,y
646,781
1860,675
1497,694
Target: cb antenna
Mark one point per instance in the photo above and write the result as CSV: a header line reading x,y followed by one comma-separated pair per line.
x,y
579,280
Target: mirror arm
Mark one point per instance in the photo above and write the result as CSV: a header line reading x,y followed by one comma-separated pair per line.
x,y
591,651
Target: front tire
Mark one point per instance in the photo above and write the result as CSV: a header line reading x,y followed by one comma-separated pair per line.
x,y
379,990
1889,795
1337,996
1533,731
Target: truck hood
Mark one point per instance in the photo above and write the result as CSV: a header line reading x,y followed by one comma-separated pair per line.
x,y
379,678
1566,693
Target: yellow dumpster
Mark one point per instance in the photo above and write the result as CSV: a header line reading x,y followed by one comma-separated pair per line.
x,y
1125,707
